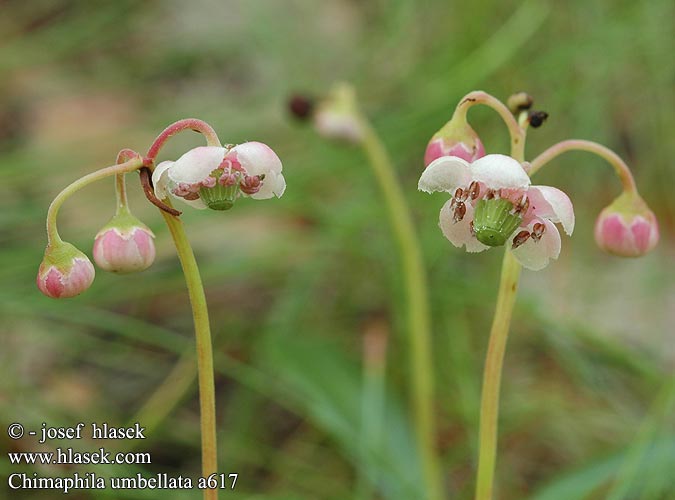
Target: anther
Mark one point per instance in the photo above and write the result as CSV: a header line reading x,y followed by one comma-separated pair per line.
x,y
520,238
490,194
460,211
474,189
460,194
473,233
523,205
537,231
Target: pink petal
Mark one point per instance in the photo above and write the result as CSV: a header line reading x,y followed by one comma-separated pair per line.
x,y
551,203
535,255
499,172
445,174
459,233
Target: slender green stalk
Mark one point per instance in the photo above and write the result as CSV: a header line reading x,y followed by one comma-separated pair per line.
x,y
200,315
489,406
622,171
419,329
372,404
506,298
52,213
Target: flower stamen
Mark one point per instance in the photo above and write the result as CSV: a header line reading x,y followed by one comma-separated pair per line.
x,y
521,238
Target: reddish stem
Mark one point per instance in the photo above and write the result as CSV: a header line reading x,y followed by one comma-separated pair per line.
x,y
188,123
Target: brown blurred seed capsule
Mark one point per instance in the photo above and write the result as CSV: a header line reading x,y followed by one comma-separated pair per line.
x,y
520,238
301,107
537,118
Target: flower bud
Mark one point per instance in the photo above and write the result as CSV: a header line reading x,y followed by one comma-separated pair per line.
x,y
336,117
124,245
64,271
627,227
456,138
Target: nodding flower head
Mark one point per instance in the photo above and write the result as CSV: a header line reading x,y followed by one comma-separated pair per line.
x,y
64,271
214,177
124,245
627,227
336,117
492,204
456,138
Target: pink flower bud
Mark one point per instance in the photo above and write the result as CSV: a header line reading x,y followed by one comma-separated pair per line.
x,y
124,245
64,271
456,138
627,227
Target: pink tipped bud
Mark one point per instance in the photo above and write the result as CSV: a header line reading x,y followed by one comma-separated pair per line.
x,y
124,245
627,227
456,138
64,271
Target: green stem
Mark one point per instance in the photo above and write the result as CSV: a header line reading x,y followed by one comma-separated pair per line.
x,y
419,330
372,406
200,315
516,133
620,167
494,359
52,213
489,406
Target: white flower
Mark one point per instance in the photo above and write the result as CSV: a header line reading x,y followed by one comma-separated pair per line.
x,y
214,177
493,201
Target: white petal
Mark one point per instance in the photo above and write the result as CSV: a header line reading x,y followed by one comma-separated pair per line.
x,y
196,164
446,173
459,233
551,203
257,158
499,172
198,203
535,255
160,179
273,185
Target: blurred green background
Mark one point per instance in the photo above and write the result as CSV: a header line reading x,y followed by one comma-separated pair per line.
x,y
295,285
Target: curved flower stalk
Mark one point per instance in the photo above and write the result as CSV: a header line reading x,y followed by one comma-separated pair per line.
x,y
494,204
337,117
206,177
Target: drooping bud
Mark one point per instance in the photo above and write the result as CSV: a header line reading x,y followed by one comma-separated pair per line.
x,y
456,138
337,117
627,227
64,271
520,101
124,245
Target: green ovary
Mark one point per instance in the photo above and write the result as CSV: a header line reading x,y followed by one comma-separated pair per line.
x,y
493,221
219,197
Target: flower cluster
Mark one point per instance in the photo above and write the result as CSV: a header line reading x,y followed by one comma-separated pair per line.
x,y
204,177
